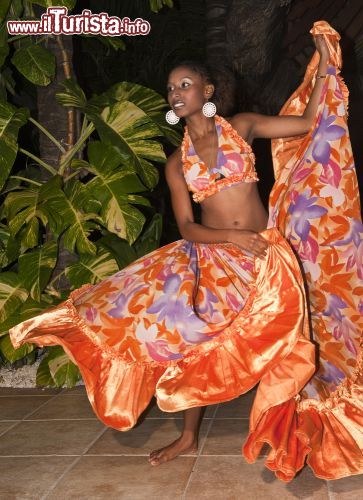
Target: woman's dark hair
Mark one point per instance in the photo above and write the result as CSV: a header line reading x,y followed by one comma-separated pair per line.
x,y
221,77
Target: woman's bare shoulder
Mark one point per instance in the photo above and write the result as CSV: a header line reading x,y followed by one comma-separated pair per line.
x,y
174,162
242,123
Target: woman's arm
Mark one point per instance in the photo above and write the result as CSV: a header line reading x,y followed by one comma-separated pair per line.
x,y
190,230
253,125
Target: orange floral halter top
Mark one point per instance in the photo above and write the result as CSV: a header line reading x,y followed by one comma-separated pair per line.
x,y
235,163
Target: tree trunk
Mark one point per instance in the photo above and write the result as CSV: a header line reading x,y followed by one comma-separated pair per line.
x,y
63,124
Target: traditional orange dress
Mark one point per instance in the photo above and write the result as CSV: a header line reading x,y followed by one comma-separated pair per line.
x,y
315,205
197,324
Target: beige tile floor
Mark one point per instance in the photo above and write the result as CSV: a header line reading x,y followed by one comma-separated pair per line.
x,y
53,447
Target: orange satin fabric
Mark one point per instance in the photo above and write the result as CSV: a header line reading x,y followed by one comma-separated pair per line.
x,y
324,423
267,336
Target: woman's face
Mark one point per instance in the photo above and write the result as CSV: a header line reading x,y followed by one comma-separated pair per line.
x,y
187,91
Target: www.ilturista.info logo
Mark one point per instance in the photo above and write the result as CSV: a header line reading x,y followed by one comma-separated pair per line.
x,y
56,21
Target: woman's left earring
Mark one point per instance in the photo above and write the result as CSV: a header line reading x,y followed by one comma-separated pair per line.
x,y
209,109
171,117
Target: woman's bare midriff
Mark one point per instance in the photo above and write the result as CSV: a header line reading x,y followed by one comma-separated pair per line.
x,y
237,207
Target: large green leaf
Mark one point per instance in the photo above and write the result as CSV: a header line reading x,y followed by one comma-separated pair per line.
x,y
152,103
26,207
63,371
4,239
22,206
12,354
28,309
35,268
66,213
144,98
150,238
57,369
129,129
9,247
4,46
12,294
16,9
156,5
36,63
124,253
119,249
11,119
72,96
112,186
92,268
4,7
116,43
56,3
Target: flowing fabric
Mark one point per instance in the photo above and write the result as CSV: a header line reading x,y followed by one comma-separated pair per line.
x,y
315,205
193,324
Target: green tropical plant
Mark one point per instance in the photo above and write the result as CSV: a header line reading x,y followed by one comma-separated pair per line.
x,y
93,201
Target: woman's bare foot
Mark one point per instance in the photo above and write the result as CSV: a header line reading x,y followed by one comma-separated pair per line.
x,y
176,448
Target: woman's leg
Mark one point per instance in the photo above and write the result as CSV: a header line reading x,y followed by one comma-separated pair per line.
x,y
186,443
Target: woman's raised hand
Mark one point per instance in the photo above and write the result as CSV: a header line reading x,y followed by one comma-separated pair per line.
x,y
321,47
250,241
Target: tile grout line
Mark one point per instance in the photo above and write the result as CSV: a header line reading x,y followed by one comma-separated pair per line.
x,y
28,395
199,454
11,427
61,419
67,469
39,407
75,461
36,456
330,493
18,422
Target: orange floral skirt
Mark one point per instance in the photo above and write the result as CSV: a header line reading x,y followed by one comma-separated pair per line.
x,y
193,324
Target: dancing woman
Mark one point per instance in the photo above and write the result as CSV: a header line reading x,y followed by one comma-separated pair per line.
x,y
203,319
207,166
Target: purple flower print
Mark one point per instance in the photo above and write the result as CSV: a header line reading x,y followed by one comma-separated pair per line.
x,y
334,305
354,234
331,373
157,348
172,307
353,254
122,301
204,308
340,325
302,209
325,133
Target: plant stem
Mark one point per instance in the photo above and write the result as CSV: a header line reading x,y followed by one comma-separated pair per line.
x,y
17,37
31,181
56,278
73,174
79,144
48,134
39,161
84,124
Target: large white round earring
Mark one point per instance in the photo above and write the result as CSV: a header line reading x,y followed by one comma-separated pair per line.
x,y
209,109
171,117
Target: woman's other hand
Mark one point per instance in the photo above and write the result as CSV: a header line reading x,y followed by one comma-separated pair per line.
x,y
250,241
